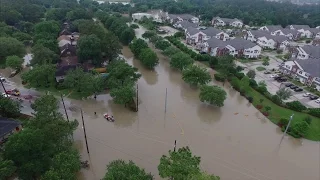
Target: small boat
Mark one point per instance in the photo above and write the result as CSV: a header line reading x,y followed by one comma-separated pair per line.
x,y
108,117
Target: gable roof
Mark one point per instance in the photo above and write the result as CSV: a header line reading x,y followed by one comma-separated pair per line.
x,y
239,43
66,47
314,30
65,32
186,24
299,26
313,51
7,125
183,16
259,33
273,28
288,31
213,43
192,30
211,31
311,66
279,39
228,20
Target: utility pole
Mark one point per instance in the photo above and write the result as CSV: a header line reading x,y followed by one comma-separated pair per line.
x,y
3,87
137,99
84,131
175,145
64,106
291,117
165,102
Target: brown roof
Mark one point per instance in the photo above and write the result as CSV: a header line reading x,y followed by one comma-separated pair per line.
x,y
70,60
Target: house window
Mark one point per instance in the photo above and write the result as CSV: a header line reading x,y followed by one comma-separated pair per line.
x,y
255,51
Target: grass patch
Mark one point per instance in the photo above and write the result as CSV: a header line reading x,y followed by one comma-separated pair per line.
x,y
277,112
312,91
296,82
260,68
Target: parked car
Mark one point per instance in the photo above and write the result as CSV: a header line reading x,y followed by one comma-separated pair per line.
x,y
282,79
274,75
312,97
5,95
317,101
267,72
293,87
2,79
14,92
306,95
298,89
289,85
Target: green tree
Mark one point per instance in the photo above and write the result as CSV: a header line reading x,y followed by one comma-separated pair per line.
x,y
7,169
251,74
51,44
43,55
8,107
120,169
10,47
296,106
180,61
213,95
162,44
245,81
127,36
121,73
179,165
78,13
22,37
203,176
299,129
267,108
88,48
47,28
149,34
170,50
148,58
80,81
284,93
40,75
137,45
14,62
124,94
134,26
46,106
265,62
196,75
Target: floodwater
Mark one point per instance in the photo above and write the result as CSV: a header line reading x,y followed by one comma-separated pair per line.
x,y
235,141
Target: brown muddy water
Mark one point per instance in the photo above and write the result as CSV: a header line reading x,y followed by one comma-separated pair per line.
x,y
235,141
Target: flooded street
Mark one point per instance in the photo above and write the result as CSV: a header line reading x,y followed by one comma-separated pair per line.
x,y
235,142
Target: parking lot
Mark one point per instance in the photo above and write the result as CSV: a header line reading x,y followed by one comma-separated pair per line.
x,y
273,86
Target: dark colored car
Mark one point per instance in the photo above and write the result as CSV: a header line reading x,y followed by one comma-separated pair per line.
x,y
289,85
282,79
267,72
313,97
298,89
293,87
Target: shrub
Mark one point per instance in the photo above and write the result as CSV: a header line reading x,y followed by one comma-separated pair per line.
x,y
235,83
239,75
308,120
219,77
296,106
239,68
299,129
279,51
262,89
283,122
308,41
314,112
276,99
259,106
250,99
134,26
253,83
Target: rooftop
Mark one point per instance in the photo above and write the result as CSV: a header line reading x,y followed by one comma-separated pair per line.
x,y
211,31
239,43
313,51
311,66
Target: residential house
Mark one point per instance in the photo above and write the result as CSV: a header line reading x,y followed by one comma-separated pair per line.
x,y
273,42
65,32
68,50
194,35
8,127
68,39
306,71
307,52
291,34
158,15
271,29
217,21
316,42
243,48
217,33
174,18
185,24
253,35
139,16
215,47
311,33
298,27
318,27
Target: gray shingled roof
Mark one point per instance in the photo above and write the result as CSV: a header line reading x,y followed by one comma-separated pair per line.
x,y
227,20
311,66
260,33
313,51
314,30
300,26
186,24
192,30
7,125
211,31
274,27
288,31
239,43
183,16
214,42
279,39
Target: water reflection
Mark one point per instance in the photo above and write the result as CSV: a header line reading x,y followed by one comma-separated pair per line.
x,y
208,113
124,116
150,76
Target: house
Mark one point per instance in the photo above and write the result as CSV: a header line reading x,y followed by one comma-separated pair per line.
x,y
217,33
298,27
217,21
215,47
67,39
306,71
174,18
194,35
65,32
185,24
139,16
8,127
253,35
68,50
271,28
307,52
291,34
158,15
273,42
243,48
316,42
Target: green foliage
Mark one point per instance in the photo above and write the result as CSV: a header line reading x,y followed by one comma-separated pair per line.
x,y
162,44
47,29
245,82
7,169
10,47
148,58
196,75
253,83
283,122
267,108
127,36
265,62
213,95
179,165
179,34
251,74
276,99
88,49
308,119
171,50
314,112
120,169
296,106
43,55
78,13
137,45
284,93
22,37
14,62
9,107
40,75
219,77
134,26
149,34
123,94
298,129
235,82
180,61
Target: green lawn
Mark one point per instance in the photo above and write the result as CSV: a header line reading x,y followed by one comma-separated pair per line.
x,y
277,112
298,83
260,68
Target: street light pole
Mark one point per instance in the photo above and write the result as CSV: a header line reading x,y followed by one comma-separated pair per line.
x,y
3,87
291,117
84,131
64,106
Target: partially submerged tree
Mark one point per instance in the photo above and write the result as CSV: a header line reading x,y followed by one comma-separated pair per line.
x,y
14,62
213,95
148,58
180,60
196,75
